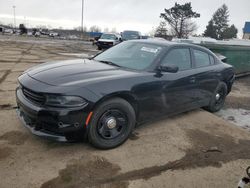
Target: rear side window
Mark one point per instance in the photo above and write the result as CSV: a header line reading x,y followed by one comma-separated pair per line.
x,y
212,59
201,58
179,57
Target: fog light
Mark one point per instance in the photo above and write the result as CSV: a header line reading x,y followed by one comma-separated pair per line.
x,y
76,124
60,124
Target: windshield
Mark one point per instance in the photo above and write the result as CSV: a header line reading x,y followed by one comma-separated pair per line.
x,y
129,35
108,36
133,55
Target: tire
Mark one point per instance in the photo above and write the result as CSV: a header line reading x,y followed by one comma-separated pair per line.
x,y
103,133
99,48
216,104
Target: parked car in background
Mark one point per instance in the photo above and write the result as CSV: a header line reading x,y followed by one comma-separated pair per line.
x,y
145,37
1,29
130,35
72,37
9,31
54,34
135,81
108,40
37,34
30,33
94,37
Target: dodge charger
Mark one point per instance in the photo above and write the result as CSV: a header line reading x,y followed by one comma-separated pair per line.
x,y
103,98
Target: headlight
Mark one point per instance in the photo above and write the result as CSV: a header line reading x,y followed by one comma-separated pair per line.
x,y
64,101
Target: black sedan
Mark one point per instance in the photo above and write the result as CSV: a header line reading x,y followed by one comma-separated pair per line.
x,y
105,97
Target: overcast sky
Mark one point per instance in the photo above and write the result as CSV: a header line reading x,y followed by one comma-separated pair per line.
x,y
120,14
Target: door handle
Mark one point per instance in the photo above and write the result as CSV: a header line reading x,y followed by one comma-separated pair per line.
x,y
192,80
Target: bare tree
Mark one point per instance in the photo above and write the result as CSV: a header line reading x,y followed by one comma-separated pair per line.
x,y
106,30
79,28
161,30
179,19
113,30
95,28
189,28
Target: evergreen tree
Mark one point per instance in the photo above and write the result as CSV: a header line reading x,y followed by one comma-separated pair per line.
x,y
218,27
210,30
230,32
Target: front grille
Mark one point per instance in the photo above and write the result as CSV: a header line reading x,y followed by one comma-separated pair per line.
x,y
106,43
34,96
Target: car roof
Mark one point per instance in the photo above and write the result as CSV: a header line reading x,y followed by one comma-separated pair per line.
x,y
111,34
168,43
131,31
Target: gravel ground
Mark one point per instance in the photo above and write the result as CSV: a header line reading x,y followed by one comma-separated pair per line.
x,y
194,149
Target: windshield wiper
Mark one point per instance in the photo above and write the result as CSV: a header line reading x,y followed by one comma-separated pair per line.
x,y
109,63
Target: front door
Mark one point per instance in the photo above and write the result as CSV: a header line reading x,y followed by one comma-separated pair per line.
x,y
179,90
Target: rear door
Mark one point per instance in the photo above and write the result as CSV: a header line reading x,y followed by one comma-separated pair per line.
x,y
206,75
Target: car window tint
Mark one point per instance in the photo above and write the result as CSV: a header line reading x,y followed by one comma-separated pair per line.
x,y
201,58
212,59
131,55
179,57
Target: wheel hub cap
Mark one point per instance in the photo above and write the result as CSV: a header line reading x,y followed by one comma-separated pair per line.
x,y
111,123
217,96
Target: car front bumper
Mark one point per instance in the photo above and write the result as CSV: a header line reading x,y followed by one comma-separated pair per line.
x,y
105,45
59,124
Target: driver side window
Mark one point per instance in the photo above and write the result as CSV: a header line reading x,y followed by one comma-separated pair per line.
x,y
180,57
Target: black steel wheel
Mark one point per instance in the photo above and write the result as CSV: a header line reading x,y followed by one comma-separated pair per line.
x,y
111,123
218,98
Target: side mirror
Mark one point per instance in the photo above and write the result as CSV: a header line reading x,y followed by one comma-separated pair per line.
x,y
168,68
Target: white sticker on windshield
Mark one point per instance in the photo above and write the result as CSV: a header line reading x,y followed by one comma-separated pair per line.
x,y
151,50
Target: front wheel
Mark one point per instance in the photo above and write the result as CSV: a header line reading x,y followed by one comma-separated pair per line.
x,y
218,99
111,123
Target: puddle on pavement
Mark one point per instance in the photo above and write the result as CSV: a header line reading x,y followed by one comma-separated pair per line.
x,y
6,107
239,117
85,173
207,150
14,137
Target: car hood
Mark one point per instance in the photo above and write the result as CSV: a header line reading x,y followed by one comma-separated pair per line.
x,y
76,72
106,40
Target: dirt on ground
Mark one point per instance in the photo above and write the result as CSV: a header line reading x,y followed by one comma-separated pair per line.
x,y
14,137
193,149
207,150
238,102
239,97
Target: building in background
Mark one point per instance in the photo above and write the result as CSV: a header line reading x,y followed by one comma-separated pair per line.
x,y
246,31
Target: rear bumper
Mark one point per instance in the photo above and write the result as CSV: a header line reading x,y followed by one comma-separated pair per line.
x,y
230,84
59,124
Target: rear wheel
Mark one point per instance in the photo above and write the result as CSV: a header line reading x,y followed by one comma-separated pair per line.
x,y
111,123
218,99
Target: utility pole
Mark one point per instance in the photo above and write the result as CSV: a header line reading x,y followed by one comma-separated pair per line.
x,y
82,17
14,9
